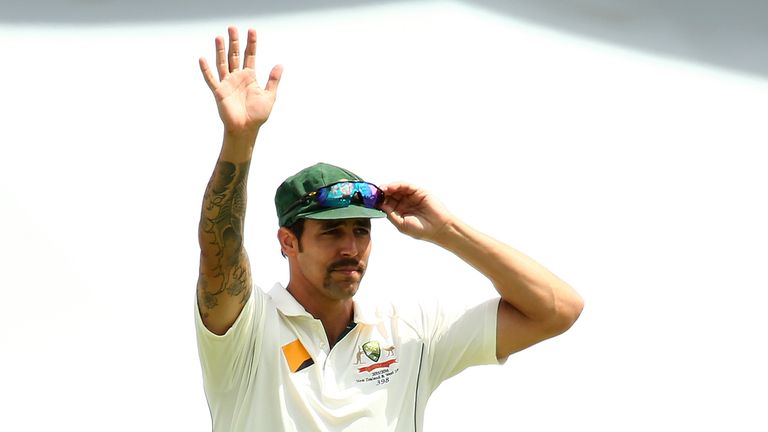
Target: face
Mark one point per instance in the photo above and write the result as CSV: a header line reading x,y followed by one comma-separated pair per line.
x,y
333,256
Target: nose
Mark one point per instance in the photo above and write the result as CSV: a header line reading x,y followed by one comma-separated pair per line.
x,y
349,246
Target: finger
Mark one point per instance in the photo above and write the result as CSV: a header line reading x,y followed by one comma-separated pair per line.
x,y
274,79
388,204
401,190
397,207
392,188
388,207
208,74
234,50
250,50
396,220
221,58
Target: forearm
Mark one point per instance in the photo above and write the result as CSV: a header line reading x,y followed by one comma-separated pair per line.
x,y
225,275
523,283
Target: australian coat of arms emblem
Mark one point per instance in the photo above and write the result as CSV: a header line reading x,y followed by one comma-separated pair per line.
x,y
372,350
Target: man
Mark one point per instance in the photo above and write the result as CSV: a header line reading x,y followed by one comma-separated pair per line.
x,y
308,357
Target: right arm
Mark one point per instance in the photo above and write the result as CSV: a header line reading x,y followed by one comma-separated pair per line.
x,y
224,284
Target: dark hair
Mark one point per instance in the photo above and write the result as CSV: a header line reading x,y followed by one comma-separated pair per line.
x,y
297,228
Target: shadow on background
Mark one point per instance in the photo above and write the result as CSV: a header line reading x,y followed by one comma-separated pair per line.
x,y
722,33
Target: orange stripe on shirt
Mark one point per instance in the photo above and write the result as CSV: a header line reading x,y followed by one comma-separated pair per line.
x,y
296,355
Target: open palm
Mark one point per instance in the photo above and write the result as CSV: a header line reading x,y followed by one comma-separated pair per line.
x,y
243,105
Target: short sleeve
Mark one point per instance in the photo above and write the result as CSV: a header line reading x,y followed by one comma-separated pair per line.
x,y
461,338
226,358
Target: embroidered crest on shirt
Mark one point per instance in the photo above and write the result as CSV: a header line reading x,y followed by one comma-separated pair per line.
x,y
371,367
372,350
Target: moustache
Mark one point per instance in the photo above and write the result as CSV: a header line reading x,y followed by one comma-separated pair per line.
x,y
348,262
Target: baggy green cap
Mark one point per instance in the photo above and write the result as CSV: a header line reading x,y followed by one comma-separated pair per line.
x,y
309,180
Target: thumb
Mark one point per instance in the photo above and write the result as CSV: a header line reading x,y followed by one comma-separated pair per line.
x,y
393,217
274,79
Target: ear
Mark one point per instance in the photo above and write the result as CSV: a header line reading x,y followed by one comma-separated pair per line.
x,y
289,244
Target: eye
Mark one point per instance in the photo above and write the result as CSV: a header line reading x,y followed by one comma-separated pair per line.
x,y
332,232
362,231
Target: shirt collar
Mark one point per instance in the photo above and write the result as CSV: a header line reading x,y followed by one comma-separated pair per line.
x,y
363,312
286,303
366,313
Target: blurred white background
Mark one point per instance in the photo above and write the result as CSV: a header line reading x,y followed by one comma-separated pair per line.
x,y
627,159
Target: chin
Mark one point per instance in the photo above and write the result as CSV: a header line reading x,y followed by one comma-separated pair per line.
x,y
350,291
343,291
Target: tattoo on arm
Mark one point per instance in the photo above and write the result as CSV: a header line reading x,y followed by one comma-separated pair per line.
x,y
224,266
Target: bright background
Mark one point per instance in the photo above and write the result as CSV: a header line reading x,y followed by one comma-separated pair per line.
x,y
618,143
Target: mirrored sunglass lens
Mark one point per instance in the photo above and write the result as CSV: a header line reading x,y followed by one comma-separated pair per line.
x,y
336,195
326,197
341,194
371,195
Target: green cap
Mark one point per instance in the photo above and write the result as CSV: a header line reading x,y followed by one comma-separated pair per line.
x,y
310,179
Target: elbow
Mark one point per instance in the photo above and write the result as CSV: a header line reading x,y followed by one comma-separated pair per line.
x,y
566,314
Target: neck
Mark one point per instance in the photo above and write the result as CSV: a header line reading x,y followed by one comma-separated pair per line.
x,y
335,315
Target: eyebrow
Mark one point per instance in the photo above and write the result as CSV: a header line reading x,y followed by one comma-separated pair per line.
x,y
330,224
363,222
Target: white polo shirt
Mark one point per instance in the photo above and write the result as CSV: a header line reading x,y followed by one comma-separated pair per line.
x,y
273,370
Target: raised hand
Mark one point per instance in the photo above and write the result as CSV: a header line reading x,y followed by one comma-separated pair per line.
x,y
243,105
415,212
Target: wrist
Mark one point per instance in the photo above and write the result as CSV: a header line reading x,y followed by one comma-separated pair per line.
x,y
449,233
238,145
241,136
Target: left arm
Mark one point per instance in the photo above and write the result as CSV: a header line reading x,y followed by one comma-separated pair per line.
x,y
535,304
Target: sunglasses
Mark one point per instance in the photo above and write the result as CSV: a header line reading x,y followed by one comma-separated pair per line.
x,y
343,194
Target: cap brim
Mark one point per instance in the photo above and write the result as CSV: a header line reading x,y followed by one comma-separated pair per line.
x,y
350,212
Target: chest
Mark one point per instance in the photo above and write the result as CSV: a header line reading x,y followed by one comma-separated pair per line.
x,y
374,361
